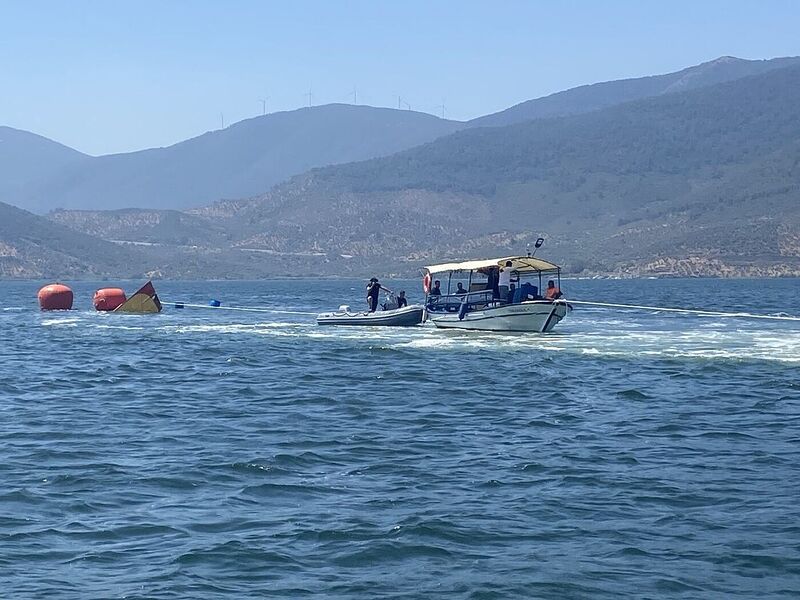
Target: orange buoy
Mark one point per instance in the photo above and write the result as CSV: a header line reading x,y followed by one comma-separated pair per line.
x,y
108,298
55,296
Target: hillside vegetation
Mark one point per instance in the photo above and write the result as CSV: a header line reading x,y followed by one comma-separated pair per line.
x,y
711,172
33,247
697,182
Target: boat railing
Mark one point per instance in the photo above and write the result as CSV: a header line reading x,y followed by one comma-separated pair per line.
x,y
478,300
456,302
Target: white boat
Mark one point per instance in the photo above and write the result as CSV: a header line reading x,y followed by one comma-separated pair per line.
x,y
398,317
485,306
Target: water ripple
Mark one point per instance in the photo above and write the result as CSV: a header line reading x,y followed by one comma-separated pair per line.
x,y
203,454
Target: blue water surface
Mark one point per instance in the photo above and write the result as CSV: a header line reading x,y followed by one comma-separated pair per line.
x,y
204,453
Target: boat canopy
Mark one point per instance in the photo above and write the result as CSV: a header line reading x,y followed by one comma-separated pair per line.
x,y
521,264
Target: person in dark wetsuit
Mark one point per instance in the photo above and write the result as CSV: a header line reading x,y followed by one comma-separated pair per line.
x,y
493,282
373,291
401,299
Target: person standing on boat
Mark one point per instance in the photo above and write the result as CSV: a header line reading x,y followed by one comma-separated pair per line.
x,y
504,281
492,276
373,291
401,299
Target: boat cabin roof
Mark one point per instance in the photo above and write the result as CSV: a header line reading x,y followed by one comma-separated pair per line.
x,y
521,264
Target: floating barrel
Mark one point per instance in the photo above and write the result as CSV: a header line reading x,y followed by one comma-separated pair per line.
x,y
108,298
55,296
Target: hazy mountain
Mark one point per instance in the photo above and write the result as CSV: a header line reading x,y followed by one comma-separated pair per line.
x,y
243,159
26,158
249,157
587,98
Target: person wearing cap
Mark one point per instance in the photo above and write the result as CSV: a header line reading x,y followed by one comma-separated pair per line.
x,y
373,291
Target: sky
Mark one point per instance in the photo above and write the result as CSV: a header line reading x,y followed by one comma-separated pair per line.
x,y
105,77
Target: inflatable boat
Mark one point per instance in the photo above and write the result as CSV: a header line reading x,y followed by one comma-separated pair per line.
x,y
398,317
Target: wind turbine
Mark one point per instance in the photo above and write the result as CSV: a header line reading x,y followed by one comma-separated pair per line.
x,y
310,95
263,105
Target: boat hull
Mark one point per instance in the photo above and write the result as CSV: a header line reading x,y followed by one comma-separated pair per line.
x,y
534,316
401,317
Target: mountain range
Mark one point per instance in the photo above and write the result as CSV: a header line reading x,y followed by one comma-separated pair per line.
x,y
26,158
712,173
692,173
587,98
251,156
241,160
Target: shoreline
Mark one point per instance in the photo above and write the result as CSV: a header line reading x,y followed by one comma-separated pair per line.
x,y
598,277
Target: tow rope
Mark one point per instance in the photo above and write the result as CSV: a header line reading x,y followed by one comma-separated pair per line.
x,y
260,309
691,311
688,311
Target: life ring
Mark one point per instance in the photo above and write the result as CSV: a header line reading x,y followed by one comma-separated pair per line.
x,y
426,283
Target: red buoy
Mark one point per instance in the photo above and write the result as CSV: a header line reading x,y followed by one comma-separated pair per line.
x,y
55,296
108,298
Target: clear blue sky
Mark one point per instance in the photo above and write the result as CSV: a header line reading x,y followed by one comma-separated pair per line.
x,y
111,76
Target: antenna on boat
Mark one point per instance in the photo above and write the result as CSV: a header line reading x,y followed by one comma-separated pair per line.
x,y
536,246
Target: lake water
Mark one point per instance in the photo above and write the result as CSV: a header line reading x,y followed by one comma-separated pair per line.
x,y
203,453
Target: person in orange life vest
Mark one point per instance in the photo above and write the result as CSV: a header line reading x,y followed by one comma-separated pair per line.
x,y
552,292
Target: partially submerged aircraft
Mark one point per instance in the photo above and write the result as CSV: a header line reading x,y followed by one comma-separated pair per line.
x,y
143,301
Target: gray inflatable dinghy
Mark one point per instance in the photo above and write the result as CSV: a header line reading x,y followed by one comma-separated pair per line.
x,y
398,317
